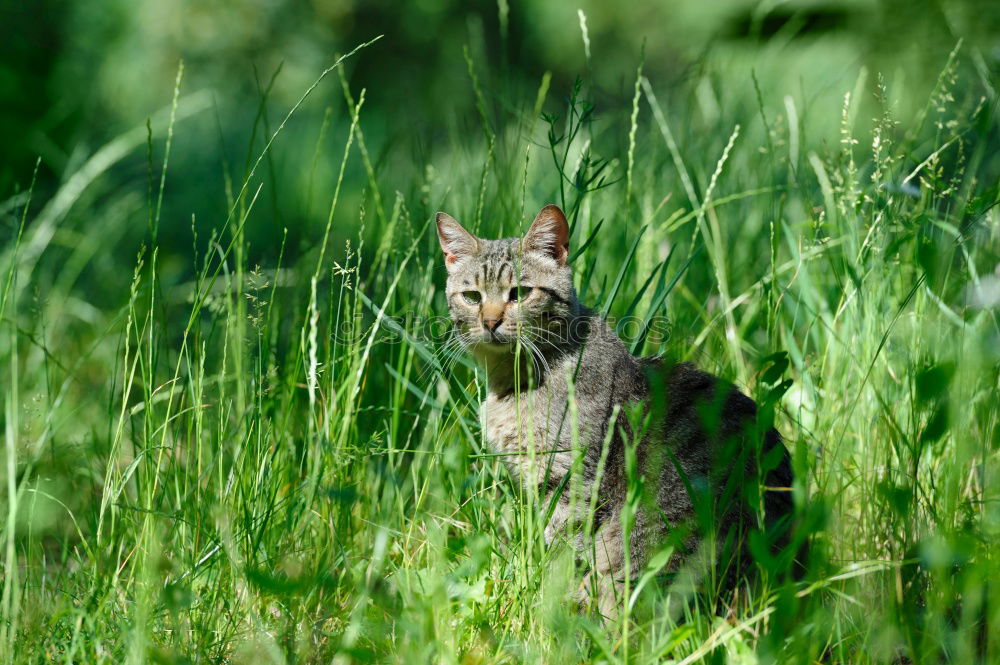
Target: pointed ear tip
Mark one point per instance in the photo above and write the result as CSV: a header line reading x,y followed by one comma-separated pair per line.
x,y
552,212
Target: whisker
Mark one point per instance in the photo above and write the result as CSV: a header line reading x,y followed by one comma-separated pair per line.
x,y
538,358
445,355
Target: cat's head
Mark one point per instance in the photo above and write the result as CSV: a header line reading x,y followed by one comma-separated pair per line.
x,y
502,290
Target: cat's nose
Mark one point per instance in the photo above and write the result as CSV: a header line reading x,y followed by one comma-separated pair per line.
x,y
492,324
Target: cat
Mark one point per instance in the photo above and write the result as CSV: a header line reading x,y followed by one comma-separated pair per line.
x,y
515,310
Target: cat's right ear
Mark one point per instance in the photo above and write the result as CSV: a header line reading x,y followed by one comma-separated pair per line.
x,y
549,234
456,243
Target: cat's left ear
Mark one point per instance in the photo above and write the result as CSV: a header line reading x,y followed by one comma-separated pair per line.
x,y
549,234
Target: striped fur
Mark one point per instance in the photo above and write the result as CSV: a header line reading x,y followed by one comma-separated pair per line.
x,y
694,437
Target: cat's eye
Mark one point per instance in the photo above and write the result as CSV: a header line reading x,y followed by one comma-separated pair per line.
x,y
519,293
472,297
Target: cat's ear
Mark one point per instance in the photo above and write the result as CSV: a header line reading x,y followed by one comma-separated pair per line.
x,y
549,234
456,242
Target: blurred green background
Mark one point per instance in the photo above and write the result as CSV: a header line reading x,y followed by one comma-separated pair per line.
x,y
74,74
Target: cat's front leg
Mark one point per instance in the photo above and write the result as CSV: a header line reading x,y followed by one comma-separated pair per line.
x,y
557,523
604,586
605,592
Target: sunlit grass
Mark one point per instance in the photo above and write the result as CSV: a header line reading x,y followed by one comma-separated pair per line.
x,y
277,463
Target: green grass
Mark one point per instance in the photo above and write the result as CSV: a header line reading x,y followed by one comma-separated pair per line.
x,y
210,461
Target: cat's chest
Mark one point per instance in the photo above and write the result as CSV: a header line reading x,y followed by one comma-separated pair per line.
x,y
527,432
517,423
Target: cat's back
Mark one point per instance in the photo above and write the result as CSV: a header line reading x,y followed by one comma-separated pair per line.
x,y
712,430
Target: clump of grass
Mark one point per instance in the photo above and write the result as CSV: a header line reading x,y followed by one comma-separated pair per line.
x,y
283,463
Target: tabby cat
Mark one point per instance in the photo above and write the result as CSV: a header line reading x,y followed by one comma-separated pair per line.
x,y
691,437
